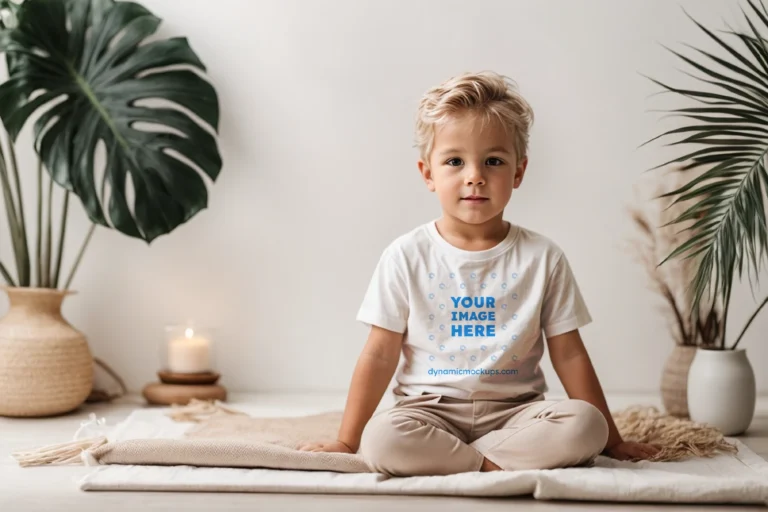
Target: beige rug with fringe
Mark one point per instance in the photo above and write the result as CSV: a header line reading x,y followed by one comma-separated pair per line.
x,y
210,447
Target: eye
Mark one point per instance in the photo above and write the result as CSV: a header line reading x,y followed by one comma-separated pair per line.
x,y
455,160
493,161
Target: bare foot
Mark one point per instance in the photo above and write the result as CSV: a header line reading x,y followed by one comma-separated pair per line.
x,y
489,466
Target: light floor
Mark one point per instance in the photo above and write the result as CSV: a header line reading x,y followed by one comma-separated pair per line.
x,y
54,488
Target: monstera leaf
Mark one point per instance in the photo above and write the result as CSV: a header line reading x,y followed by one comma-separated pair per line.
x,y
84,68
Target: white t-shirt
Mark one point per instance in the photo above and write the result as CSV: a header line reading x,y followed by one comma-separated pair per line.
x,y
473,321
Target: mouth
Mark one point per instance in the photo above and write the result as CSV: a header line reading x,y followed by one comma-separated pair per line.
x,y
475,199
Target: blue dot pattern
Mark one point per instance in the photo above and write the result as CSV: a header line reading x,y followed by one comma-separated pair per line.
x,y
493,289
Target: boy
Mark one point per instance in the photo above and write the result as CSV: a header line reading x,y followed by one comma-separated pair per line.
x,y
469,299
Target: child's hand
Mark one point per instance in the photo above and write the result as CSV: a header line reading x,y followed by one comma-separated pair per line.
x,y
630,450
335,446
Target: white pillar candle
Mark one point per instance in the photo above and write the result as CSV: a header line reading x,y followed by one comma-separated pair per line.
x,y
190,354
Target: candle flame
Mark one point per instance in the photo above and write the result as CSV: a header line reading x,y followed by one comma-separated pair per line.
x,y
189,332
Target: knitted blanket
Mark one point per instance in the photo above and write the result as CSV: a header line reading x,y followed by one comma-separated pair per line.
x,y
224,450
224,437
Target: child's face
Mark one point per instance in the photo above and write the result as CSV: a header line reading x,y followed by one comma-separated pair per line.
x,y
473,170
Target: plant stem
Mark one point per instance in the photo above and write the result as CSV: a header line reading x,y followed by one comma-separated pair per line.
x,y
13,221
48,236
6,275
80,256
39,250
26,281
62,231
667,293
727,300
749,322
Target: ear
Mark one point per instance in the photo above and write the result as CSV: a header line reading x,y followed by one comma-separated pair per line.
x,y
520,172
426,175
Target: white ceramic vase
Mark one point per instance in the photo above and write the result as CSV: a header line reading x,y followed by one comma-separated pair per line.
x,y
722,390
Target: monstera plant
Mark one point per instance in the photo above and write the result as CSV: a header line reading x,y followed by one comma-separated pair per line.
x,y
84,70
91,76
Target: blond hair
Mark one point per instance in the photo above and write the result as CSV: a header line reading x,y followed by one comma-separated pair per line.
x,y
486,94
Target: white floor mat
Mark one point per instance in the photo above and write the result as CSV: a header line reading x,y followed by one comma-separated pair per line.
x,y
723,479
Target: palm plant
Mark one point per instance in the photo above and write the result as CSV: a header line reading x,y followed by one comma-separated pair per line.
x,y
84,68
728,126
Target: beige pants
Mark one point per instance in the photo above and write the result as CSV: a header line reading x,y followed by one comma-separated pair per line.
x,y
437,435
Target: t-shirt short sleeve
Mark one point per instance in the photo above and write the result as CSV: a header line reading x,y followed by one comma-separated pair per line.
x,y
564,308
385,303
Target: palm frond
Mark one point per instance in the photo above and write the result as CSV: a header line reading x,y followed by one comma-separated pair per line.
x,y
727,134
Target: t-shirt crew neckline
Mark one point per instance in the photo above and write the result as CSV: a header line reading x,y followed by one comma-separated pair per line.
x,y
485,254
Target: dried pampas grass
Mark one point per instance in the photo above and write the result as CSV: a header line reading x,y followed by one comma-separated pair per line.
x,y
654,241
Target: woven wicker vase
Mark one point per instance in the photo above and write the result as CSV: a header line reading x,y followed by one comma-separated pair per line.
x,y
46,367
674,380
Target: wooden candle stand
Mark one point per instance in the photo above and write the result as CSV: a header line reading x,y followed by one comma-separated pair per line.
x,y
180,388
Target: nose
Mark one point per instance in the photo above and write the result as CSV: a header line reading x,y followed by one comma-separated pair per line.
x,y
473,176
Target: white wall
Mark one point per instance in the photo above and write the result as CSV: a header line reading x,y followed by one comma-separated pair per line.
x,y
318,99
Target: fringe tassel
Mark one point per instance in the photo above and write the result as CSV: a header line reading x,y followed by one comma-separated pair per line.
x,y
78,452
58,454
678,438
